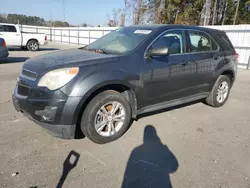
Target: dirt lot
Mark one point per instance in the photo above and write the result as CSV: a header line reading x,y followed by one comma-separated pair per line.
x,y
193,146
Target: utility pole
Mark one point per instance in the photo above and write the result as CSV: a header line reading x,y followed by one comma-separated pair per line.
x,y
63,10
236,12
214,11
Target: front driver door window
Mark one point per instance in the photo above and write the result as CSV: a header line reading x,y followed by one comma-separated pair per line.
x,y
167,77
173,40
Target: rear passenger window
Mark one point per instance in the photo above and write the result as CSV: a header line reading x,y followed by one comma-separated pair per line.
x,y
173,40
9,28
1,28
201,42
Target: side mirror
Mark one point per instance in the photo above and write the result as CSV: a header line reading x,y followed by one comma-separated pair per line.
x,y
157,52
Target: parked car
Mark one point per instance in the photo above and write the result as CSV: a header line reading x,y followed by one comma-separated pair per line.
x,y
15,38
3,49
130,71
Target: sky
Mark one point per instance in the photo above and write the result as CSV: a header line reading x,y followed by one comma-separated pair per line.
x,y
92,12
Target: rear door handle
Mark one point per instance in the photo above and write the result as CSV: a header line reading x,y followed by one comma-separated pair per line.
x,y
183,63
216,57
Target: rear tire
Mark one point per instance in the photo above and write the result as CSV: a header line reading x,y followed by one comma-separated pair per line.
x,y
220,92
98,123
33,45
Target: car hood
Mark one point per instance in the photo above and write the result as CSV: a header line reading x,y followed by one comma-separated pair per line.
x,y
65,58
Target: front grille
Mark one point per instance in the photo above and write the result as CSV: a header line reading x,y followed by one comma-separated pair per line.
x,y
23,90
29,74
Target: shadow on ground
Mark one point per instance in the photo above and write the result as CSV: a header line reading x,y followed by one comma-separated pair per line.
x,y
13,60
41,49
69,163
49,49
150,164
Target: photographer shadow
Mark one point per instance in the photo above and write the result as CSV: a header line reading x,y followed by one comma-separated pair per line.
x,y
150,164
69,163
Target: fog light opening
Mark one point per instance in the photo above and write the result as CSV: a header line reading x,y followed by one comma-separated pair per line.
x,y
48,114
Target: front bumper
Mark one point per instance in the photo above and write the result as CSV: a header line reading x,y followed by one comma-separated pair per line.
x,y
56,114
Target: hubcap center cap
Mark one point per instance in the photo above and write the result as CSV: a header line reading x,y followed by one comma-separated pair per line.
x,y
110,118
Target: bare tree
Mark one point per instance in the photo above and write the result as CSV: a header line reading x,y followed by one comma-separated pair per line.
x,y
236,12
124,14
113,20
138,9
158,11
206,13
224,13
123,19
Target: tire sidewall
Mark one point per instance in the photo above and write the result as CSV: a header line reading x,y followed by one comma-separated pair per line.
x,y
88,118
219,81
30,42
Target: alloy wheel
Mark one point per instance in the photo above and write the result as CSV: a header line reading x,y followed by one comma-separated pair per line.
x,y
109,119
222,92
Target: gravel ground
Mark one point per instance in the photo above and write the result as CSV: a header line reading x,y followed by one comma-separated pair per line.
x,y
193,146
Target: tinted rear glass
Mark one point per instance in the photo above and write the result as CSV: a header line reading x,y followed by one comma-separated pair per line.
x,y
201,42
9,28
226,43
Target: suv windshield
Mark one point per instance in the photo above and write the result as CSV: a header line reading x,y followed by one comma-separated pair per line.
x,y
120,41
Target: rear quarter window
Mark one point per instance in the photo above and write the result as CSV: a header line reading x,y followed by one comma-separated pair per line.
x,y
225,42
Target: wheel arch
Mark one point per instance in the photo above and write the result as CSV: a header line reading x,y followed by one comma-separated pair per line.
x,y
118,86
230,74
31,40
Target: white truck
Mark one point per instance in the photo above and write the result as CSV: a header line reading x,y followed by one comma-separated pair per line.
x,y
14,37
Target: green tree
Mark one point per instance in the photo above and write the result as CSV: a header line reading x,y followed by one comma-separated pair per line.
x,y
243,16
60,24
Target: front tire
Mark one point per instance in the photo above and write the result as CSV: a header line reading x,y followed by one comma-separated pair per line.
x,y
106,118
33,45
220,92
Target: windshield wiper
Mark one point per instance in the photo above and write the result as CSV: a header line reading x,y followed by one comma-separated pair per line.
x,y
83,47
100,50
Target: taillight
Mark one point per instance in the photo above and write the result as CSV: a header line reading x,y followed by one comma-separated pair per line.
x,y
45,37
3,44
236,55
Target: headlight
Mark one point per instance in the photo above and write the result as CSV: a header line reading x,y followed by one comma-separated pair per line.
x,y
58,78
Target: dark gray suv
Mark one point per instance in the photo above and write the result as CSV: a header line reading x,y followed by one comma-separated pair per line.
x,y
100,88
